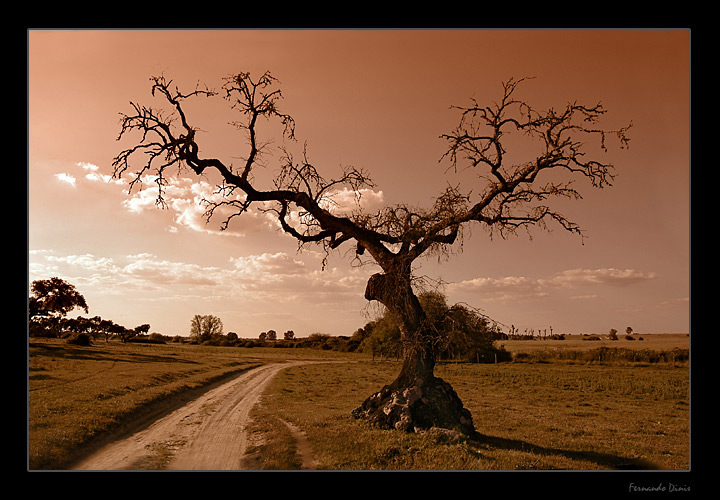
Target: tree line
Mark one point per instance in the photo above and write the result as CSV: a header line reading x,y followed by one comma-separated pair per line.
x,y
49,304
461,333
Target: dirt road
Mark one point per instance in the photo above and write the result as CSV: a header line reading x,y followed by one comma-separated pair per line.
x,y
206,434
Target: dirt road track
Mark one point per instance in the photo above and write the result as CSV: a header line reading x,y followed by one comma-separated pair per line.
x,y
206,434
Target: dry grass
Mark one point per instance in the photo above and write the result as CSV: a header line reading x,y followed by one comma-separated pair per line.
x,y
78,394
529,415
549,416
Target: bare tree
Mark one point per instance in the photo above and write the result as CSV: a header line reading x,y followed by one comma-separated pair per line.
x,y
513,196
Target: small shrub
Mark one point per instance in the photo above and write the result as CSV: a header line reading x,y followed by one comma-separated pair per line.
x,y
145,340
82,339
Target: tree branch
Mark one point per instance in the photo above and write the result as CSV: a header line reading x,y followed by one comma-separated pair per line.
x,y
394,236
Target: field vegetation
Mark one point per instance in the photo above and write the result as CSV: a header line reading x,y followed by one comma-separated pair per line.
x,y
529,415
546,409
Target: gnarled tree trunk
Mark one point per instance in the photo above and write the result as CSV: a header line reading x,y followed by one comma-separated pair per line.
x,y
417,399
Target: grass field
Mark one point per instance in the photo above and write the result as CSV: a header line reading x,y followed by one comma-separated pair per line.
x,y
530,416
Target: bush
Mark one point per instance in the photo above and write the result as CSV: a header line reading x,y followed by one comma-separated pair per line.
x,y
608,355
82,339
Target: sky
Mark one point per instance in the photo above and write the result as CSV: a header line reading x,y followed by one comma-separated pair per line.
x,y
377,100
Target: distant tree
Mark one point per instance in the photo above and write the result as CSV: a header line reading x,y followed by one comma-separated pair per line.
x,y
271,335
613,334
76,325
263,336
232,336
204,328
106,326
196,326
629,330
49,302
124,333
515,192
93,327
289,335
55,296
142,329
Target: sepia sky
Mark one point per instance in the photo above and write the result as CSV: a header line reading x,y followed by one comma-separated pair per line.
x,y
378,100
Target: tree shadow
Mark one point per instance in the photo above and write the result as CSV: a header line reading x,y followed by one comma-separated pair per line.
x,y
605,460
94,353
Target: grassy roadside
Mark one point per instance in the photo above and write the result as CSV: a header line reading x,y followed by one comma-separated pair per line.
x,y
77,395
530,416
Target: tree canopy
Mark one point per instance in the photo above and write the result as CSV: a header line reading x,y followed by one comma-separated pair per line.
x,y
54,297
462,332
205,327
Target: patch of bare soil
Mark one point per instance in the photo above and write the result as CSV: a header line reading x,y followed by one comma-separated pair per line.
x,y
208,433
304,450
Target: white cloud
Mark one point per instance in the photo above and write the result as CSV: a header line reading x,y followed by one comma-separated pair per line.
x,y
88,166
509,287
87,261
517,287
149,268
185,199
94,175
266,264
66,178
347,200
276,277
604,276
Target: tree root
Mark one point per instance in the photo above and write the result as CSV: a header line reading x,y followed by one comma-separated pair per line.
x,y
415,407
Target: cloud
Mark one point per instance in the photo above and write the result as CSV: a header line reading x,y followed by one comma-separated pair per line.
x,y
87,261
94,175
149,268
604,276
186,199
269,276
66,178
509,287
347,200
88,166
267,265
520,287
